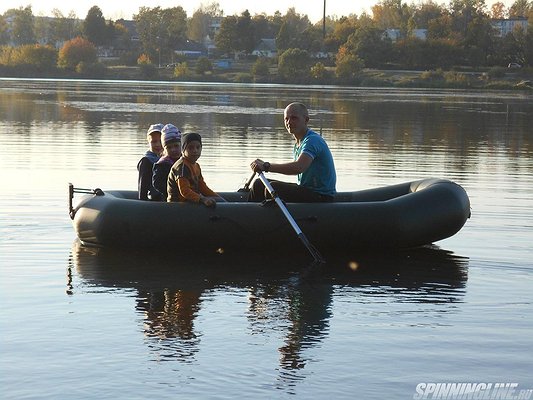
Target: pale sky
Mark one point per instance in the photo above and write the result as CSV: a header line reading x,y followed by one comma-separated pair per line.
x,y
116,9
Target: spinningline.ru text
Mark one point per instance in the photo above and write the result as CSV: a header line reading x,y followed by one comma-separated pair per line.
x,y
476,391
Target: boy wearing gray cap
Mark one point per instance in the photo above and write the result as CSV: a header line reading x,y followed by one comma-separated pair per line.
x,y
146,164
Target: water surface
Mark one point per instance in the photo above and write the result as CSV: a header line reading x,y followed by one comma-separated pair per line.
x,y
93,323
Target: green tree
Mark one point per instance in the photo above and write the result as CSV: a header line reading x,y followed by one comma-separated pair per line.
x,y
23,26
94,27
463,12
121,38
427,12
75,51
4,31
342,29
203,65
291,30
161,31
227,35
63,28
311,39
199,25
391,14
245,32
264,27
293,65
369,45
261,68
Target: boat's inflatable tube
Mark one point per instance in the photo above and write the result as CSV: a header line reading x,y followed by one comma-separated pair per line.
x,y
399,216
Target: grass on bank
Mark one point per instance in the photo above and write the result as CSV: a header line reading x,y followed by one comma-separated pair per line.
x,y
242,72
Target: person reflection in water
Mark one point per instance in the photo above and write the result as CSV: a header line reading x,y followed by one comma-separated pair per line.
x,y
170,314
306,308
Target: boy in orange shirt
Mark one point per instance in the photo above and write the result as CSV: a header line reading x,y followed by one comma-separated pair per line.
x,y
185,180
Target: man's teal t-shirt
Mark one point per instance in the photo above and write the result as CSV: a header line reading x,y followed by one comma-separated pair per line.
x,y
320,177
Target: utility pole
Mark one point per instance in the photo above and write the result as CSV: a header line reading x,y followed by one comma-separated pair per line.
x,y
324,21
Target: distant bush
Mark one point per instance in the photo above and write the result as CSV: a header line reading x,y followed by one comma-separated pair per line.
x,y
243,78
319,73
203,65
75,51
148,71
91,70
456,79
181,70
261,67
496,72
432,75
31,56
144,59
129,58
293,65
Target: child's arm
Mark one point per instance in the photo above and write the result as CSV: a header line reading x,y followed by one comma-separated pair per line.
x,y
186,191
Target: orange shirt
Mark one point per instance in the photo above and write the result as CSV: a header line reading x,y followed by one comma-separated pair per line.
x,y
186,183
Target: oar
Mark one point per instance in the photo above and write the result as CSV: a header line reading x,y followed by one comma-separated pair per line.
x,y
314,252
246,187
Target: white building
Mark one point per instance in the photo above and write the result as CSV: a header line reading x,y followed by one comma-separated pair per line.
x,y
506,26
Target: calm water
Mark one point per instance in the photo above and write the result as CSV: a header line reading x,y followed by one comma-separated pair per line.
x,y
93,324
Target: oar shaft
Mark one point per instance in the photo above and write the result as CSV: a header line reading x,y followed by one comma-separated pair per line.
x,y
314,252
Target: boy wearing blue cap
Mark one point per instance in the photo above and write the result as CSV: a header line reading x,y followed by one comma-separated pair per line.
x,y
185,180
146,164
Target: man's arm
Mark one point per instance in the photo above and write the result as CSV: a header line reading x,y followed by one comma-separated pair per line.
x,y
291,168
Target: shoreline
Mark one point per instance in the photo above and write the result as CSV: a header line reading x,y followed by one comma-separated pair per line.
x,y
500,79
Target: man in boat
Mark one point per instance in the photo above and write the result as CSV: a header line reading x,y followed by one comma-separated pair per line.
x,y
313,163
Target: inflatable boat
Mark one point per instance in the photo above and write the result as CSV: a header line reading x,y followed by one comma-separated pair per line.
x,y
399,216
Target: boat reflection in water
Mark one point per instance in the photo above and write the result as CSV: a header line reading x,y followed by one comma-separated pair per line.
x,y
171,289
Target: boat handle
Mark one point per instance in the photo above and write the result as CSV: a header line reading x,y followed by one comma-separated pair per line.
x,y
72,190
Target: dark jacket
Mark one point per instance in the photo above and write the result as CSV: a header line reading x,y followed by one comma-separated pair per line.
x,y
145,166
160,173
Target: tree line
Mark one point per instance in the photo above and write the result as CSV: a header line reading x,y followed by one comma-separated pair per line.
x,y
460,33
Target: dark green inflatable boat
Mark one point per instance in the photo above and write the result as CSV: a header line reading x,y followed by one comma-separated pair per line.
x,y
399,216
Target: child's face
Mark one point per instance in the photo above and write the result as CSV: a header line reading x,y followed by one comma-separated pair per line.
x,y
173,150
193,151
154,141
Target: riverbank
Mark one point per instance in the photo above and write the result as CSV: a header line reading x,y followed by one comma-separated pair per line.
x,y
239,72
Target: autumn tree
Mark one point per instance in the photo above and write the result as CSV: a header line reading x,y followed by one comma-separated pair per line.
x,y
75,51
63,28
521,8
347,64
498,11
